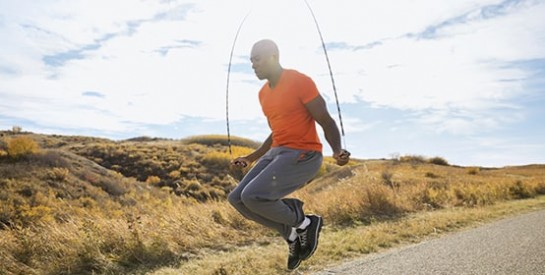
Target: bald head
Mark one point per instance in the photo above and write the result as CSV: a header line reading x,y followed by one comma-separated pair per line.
x,y
265,47
265,61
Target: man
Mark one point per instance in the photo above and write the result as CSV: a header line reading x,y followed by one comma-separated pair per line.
x,y
289,157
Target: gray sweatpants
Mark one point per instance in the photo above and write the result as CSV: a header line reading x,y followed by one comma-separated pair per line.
x,y
260,194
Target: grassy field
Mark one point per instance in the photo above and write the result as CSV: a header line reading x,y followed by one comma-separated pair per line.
x,y
82,205
338,245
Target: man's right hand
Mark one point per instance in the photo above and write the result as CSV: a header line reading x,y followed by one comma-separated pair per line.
x,y
241,162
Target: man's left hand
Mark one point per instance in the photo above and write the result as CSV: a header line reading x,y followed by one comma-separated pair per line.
x,y
342,157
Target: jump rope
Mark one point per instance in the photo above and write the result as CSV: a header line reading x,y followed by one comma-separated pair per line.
x,y
328,66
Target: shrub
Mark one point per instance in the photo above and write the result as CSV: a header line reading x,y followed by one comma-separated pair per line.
x,y
521,191
434,196
58,174
153,180
413,159
381,200
387,178
51,158
211,140
540,188
218,159
111,186
473,170
21,147
476,194
431,175
174,174
36,214
193,185
438,161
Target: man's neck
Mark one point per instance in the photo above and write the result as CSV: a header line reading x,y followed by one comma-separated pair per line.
x,y
273,80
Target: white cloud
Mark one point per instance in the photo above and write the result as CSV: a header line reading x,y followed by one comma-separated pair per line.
x,y
450,65
467,67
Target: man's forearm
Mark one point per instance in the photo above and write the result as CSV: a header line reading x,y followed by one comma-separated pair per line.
x,y
259,152
333,136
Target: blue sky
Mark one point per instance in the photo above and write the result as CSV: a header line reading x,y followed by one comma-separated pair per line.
x,y
463,80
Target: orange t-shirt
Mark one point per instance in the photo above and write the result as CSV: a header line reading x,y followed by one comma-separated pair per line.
x,y
284,106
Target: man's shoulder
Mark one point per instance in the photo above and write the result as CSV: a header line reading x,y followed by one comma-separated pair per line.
x,y
295,73
297,76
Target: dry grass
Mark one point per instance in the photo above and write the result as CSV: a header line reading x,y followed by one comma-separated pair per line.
x,y
21,146
384,190
339,245
61,213
212,140
165,231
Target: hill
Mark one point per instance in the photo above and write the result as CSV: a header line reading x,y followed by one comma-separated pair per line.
x,y
196,167
84,205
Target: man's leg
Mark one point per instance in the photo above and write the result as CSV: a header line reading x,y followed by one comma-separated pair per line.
x,y
235,199
259,196
288,171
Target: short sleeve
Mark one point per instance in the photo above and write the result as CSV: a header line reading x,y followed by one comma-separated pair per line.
x,y
308,89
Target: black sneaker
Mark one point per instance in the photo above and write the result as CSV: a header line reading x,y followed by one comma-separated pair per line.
x,y
293,257
309,236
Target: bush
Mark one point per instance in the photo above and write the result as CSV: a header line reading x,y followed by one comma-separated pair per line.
x,y
431,175
217,159
434,195
413,159
112,186
540,188
381,200
174,174
387,178
473,170
519,190
58,174
21,147
211,140
153,180
51,158
438,161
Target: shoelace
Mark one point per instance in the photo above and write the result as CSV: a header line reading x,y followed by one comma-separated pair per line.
x,y
303,238
293,248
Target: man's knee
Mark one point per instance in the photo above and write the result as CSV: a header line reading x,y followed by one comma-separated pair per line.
x,y
234,198
251,200
247,198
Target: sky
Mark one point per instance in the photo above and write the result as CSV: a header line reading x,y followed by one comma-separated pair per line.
x,y
463,80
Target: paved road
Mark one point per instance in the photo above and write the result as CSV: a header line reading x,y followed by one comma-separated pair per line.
x,y
511,246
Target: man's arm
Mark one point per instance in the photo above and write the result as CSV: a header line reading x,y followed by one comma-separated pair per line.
x,y
259,152
317,108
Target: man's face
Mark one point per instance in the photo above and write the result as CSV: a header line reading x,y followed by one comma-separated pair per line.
x,y
261,62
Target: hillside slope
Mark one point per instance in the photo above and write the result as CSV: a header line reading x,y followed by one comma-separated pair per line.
x,y
55,184
84,205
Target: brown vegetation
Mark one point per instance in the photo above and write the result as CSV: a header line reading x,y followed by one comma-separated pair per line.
x,y
86,205
21,146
